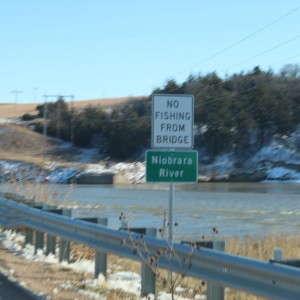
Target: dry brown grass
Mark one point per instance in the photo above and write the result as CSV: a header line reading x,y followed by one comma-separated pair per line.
x,y
12,110
262,248
259,248
19,143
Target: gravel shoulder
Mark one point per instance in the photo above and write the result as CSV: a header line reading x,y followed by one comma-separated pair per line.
x,y
50,280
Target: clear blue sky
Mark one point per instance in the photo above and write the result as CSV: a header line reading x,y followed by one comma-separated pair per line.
x,y
118,48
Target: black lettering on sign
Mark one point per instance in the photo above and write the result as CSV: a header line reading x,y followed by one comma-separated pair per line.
x,y
172,103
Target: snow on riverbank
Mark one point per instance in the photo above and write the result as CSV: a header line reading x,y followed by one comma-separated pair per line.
x,y
62,173
279,160
19,171
220,169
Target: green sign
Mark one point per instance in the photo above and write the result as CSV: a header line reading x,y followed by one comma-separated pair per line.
x,y
171,166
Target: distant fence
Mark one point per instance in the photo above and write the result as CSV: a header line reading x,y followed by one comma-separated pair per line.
x,y
264,278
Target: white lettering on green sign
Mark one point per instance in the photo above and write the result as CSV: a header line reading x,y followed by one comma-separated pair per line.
x,y
166,173
171,166
171,160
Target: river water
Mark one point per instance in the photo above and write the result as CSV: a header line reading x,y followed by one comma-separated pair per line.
x,y
236,209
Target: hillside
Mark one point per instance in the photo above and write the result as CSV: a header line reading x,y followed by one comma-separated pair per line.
x,y
12,110
25,155
19,143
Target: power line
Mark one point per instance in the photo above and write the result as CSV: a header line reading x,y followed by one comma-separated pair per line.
x,y
266,51
285,59
238,42
205,88
259,54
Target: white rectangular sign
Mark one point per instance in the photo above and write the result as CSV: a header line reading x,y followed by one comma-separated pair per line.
x,y
172,121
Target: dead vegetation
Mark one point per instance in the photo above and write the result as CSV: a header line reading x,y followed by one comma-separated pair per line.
x,y
18,143
261,248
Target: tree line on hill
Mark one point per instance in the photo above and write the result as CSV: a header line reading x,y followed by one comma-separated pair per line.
x,y
240,114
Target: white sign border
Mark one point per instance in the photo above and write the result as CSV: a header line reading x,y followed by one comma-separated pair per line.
x,y
153,146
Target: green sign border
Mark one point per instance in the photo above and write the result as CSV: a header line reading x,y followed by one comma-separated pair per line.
x,y
171,166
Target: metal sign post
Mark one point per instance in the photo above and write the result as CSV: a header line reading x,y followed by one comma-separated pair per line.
x,y
171,202
172,128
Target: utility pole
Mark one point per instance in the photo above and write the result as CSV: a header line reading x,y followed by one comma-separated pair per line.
x,y
34,93
58,117
72,121
16,92
45,116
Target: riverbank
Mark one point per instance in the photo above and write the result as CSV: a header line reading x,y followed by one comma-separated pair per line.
x,y
28,156
118,173
267,157
63,172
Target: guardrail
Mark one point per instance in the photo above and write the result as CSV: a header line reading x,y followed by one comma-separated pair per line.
x,y
264,278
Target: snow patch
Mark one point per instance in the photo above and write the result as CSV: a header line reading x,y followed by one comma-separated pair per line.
x,y
281,173
134,172
129,282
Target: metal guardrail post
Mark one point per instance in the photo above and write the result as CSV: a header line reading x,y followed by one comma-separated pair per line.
x,y
39,235
216,292
101,257
51,244
31,236
148,276
39,241
28,236
64,246
51,239
29,233
277,253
